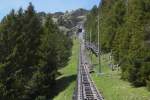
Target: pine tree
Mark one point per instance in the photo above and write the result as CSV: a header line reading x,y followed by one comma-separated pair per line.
x,y
124,29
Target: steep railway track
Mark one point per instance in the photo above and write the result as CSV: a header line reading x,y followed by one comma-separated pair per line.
x,y
86,89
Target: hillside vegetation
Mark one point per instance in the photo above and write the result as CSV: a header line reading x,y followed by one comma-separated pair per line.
x,y
111,86
68,76
31,52
124,31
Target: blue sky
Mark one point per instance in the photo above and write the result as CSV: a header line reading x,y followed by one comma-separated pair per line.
x,y
45,5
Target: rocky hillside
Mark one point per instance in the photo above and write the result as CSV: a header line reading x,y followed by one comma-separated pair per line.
x,y
70,19
67,21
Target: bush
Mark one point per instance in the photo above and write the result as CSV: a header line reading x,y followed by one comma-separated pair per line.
x,y
148,84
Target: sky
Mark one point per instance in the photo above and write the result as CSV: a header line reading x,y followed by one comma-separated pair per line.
x,y
46,5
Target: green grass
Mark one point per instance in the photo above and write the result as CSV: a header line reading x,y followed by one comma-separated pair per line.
x,y
112,87
67,81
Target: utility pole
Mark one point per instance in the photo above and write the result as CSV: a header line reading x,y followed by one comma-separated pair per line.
x,y
85,38
99,46
90,37
91,44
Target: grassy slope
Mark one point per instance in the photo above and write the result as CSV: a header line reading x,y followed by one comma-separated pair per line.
x,y
113,88
69,71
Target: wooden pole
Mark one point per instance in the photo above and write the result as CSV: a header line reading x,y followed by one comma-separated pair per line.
x,y
99,46
90,44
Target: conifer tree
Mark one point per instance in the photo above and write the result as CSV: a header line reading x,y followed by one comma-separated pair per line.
x,y
30,53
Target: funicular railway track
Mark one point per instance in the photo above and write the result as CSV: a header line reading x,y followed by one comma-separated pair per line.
x,y
86,90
